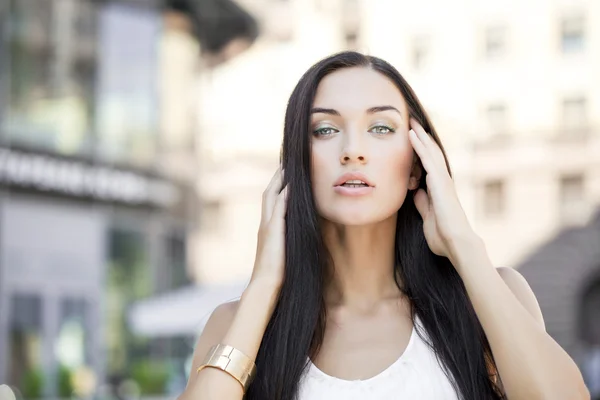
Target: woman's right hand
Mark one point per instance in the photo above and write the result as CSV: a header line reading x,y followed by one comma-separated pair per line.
x,y
242,324
269,265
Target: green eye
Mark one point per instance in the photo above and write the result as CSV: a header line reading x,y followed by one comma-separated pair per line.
x,y
325,131
382,129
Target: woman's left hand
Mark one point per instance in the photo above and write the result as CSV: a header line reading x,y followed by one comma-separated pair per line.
x,y
444,220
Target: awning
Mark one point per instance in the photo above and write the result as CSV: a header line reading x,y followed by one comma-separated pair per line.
x,y
183,312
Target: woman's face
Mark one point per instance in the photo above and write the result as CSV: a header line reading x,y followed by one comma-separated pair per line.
x,y
359,125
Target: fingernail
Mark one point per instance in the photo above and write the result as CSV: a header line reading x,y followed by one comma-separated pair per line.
x,y
412,131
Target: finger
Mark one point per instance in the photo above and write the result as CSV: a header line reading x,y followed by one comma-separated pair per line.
x,y
421,133
430,144
422,203
433,178
270,194
426,139
280,208
421,151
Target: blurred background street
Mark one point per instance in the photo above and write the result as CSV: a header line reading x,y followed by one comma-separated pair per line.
x,y
137,136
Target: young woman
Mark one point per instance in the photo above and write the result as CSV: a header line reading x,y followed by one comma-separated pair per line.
x,y
369,282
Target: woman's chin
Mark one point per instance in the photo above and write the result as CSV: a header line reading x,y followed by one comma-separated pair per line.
x,y
357,217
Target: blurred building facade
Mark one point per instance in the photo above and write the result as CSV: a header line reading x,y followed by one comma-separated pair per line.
x,y
512,90
93,216
515,100
98,174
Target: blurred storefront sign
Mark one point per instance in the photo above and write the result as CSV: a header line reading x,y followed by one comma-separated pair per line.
x,y
83,179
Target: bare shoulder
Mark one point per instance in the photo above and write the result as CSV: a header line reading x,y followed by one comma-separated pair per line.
x,y
219,321
216,327
522,291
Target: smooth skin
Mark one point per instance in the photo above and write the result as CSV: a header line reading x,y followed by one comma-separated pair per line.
x,y
361,123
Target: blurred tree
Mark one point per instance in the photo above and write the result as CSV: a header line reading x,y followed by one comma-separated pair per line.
x,y
151,376
65,382
32,384
128,279
217,23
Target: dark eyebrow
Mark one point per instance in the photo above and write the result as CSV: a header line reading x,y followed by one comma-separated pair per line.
x,y
377,109
371,110
330,111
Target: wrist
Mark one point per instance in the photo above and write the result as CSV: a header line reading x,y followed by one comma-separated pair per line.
x,y
262,290
465,249
266,283
254,311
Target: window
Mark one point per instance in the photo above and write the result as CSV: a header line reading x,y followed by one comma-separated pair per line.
x,y
572,34
420,52
127,92
176,253
51,98
129,277
493,198
71,346
572,198
590,315
574,115
351,38
495,42
589,332
351,23
86,18
172,273
211,215
25,344
496,115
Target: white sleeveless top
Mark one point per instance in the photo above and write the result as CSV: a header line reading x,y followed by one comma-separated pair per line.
x,y
415,375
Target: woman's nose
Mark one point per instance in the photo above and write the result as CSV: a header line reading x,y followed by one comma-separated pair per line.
x,y
354,149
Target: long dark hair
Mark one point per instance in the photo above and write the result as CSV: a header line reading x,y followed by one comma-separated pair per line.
x,y
434,288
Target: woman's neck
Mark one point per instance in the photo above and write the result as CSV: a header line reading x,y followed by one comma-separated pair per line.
x,y
363,264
